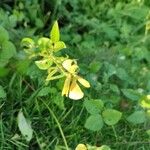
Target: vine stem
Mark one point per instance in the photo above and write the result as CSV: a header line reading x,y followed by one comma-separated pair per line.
x,y
58,124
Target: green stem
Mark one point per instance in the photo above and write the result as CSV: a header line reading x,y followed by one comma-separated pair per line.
x,y
114,130
58,124
59,66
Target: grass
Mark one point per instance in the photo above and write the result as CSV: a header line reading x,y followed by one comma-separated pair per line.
x,y
58,123
53,126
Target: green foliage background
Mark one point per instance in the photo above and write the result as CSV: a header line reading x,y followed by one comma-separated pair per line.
x,y
108,39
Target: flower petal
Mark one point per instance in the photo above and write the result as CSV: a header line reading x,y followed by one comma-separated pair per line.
x,y
83,82
66,87
75,92
67,64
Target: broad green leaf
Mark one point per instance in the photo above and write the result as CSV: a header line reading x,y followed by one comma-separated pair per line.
x,y
44,64
114,88
137,117
22,66
94,122
39,22
4,35
131,94
94,106
95,66
8,51
54,34
110,69
13,20
122,74
2,92
59,101
111,116
59,45
24,126
145,101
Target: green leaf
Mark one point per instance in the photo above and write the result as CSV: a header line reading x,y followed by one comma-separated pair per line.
x,y
111,69
29,46
137,117
54,34
59,45
22,66
94,122
4,35
114,88
44,43
8,51
131,94
44,64
95,66
145,101
122,74
59,101
13,20
2,92
94,106
111,116
24,126
44,91
39,23
4,71
28,43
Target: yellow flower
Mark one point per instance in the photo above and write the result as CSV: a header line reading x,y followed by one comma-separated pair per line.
x,y
81,147
70,65
71,88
